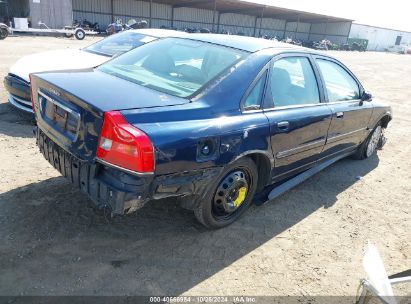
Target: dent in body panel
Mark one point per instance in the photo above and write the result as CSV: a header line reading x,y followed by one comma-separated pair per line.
x,y
176,141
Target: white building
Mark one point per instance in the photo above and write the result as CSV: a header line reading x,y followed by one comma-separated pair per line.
x,y
381,39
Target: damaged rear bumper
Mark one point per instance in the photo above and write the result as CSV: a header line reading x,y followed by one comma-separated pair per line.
x,y
121,191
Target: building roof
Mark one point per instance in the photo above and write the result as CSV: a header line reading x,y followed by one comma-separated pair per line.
x,y
248,7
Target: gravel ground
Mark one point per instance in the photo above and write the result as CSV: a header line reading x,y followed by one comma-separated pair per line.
x,y
307,242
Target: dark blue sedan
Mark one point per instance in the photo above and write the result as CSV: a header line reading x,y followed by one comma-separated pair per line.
x,y
210,119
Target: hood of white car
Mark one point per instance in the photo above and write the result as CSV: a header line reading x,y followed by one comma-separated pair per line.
x,y
55,61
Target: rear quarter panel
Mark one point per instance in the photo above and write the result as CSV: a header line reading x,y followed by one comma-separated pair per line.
x,y
178,134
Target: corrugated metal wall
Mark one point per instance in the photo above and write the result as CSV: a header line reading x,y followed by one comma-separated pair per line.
x,y
55,14
270,27
336,32
15,8
100,11
92,10
237,24
186,17
379,39
161,15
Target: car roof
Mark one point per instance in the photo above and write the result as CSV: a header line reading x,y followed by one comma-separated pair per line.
x,y
245,43
159,33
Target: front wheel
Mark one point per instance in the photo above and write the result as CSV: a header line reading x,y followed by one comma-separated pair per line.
x,y
229,196
371,144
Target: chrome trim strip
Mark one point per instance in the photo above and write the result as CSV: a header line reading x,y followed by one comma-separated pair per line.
x,y
123,169
342,136
296,106
57,103
23,101
64,108
299,149
312,105
15,104
344,101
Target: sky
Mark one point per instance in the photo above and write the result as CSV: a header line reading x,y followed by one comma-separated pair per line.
x,y
395,14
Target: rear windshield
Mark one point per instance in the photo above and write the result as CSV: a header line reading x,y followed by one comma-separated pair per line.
x,y
176,66
119,43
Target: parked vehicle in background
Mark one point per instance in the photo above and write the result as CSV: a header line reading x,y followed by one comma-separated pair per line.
x,y
79,33
119,26
85,25
17,81
357,44
323,45
209,119
4,31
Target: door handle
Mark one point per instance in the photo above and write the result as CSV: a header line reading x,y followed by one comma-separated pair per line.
x,y
339,114
283,125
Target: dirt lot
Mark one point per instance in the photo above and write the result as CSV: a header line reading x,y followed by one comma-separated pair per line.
x,y
308,242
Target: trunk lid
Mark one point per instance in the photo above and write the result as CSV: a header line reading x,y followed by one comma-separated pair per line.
x,y
107,93
69,107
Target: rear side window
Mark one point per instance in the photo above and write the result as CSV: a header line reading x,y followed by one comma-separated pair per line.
x,y
176,66
339,83
253,101
293,82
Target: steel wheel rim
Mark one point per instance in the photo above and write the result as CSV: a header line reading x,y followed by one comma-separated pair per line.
x,y
373,143
231,194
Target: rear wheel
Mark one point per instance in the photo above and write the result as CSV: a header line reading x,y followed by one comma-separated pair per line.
x,y
231,194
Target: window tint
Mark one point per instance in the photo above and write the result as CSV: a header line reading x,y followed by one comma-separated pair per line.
x,y
253,100
293,82
175,66
339,83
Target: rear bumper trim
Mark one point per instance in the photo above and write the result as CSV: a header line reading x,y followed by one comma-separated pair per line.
x,y
20,104
105,186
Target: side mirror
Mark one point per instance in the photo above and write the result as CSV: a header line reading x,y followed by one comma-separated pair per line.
x,y
366,96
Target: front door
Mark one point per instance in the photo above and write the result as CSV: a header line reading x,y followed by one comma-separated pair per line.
x,y
298,119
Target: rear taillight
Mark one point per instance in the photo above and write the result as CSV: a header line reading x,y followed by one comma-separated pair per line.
x,y
124,145
31,94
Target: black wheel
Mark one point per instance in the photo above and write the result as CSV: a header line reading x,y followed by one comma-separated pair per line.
x,y
371,144
231,194
68,35
3,33
80,34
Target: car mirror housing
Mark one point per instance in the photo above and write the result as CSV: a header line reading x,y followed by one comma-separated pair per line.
x,y
366,96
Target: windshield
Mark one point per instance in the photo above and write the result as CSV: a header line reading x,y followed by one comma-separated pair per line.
x,y
176,66
119,43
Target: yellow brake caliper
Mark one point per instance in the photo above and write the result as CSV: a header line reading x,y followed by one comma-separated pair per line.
x,y
242,193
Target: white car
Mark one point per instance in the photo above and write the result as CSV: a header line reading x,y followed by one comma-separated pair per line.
x,y
17,82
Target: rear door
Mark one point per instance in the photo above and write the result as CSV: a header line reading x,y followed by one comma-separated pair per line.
x,y
350,114
299,120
